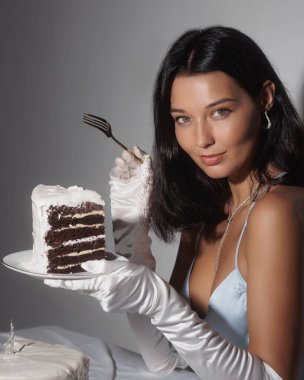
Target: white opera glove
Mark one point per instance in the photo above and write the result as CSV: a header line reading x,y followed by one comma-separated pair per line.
x,y
133,288
129,190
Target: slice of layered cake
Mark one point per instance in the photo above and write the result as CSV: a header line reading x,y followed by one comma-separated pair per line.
x,y
68,228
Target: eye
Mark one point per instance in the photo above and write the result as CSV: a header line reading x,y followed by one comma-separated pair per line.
x,y
182,120
220,113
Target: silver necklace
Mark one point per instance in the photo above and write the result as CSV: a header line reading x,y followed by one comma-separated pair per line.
x,y
229,220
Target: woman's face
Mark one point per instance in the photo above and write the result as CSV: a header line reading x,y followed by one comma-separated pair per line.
x,y
216,123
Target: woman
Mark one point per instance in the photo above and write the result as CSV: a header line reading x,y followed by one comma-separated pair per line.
x,y
228,172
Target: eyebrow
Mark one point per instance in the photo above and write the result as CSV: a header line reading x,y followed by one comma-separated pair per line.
x,y
223,100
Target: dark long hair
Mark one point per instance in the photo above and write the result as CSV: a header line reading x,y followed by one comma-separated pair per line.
x,y
182,195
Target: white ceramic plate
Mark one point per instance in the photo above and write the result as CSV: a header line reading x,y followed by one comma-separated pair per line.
x,y
16,261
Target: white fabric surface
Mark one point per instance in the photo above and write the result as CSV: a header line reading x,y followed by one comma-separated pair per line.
x,y
107,361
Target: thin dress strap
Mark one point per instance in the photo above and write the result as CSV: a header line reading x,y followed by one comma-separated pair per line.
x,y
241,235
245,225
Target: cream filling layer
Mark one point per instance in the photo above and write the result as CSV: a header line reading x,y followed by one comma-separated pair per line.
x,y
67,266
79,225
85,252
82,215
83,240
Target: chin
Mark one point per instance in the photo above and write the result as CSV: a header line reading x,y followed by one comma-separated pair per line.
x,y
215,171
216,176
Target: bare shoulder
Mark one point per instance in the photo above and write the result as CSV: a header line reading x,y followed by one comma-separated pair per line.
x,y
277,220
282,205
275,229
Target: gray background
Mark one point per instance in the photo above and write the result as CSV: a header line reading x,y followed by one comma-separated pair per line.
x,y
61,58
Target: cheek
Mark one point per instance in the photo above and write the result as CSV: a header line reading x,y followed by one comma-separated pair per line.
x,y
239,132
184,139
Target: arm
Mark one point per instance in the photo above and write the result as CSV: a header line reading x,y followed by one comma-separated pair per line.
x,y
273,247
129,187
128,193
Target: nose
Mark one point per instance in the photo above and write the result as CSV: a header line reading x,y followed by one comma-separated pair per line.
x,y
204,135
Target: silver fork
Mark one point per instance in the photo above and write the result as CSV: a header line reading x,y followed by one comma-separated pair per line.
x,y
103,125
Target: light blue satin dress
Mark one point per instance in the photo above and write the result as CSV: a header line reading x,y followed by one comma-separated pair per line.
x,y
227,308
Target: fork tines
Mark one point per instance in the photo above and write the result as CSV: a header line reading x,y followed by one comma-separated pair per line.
x,y
93,117
103,125
97,122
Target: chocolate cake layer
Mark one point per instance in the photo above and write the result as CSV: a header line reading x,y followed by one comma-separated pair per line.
x,y
66,260
57,212
77,267
70,221
77,247
55,238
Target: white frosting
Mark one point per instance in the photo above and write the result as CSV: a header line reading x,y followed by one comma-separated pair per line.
x,y
46,196
42,198
37,360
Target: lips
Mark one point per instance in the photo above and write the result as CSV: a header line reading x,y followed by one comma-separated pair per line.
x,y
212,159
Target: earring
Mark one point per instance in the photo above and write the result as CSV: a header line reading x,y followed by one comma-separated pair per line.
x,y
268,121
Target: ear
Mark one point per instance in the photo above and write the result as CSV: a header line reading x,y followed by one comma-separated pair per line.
x,y
267,95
